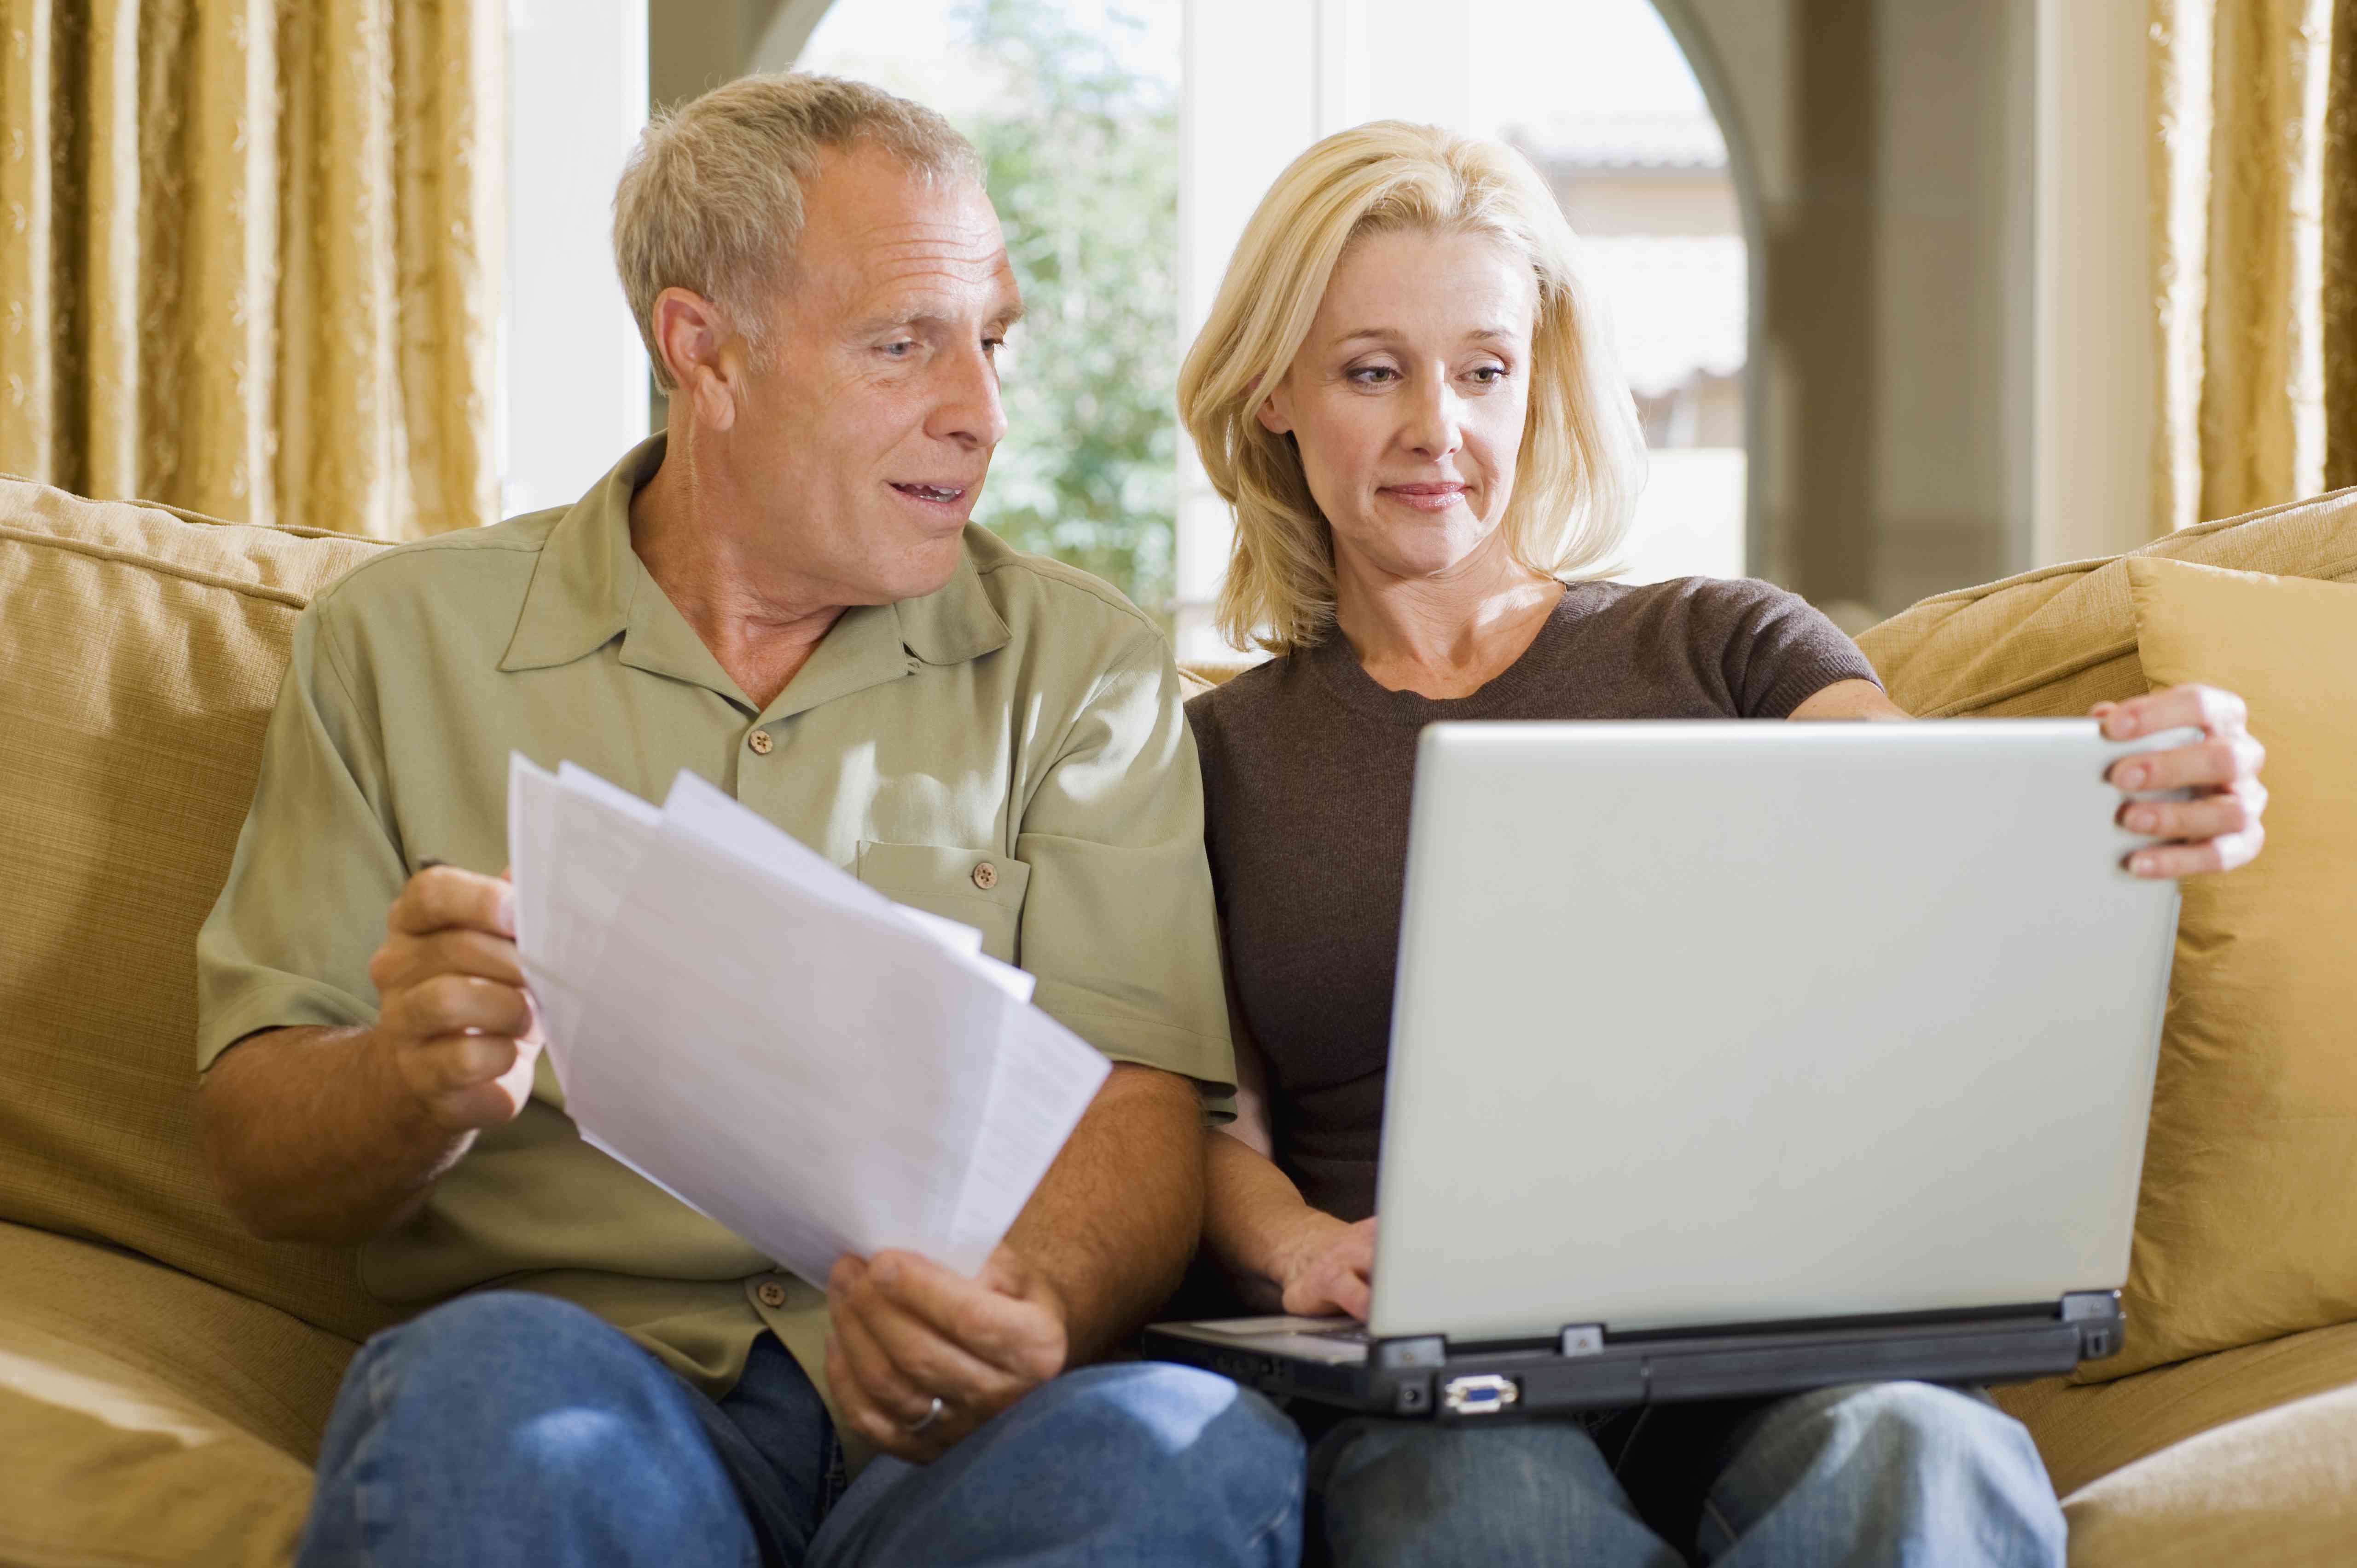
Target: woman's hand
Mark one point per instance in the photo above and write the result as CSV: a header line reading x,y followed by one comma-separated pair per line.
x,y
1330,1268
2218,829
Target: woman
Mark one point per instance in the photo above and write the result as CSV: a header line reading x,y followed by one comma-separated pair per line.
x,y
1405,396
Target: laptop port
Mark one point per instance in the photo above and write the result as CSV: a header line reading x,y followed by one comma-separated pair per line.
x,y
1484,1394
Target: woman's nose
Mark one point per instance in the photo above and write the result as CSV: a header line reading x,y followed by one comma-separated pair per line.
x,y
1436,428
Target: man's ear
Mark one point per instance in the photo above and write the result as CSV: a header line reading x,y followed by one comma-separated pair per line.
x,y
703,353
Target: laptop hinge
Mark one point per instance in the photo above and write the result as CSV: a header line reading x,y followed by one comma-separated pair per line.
x,y
1581,1339
2101,1323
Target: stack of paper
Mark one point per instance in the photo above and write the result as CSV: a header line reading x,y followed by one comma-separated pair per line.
x,y
774,1043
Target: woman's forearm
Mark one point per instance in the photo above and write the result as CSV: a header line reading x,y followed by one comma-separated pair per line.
x,y
1257,1230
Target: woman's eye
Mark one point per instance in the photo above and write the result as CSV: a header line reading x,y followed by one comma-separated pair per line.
x,y
1374,375
1489,375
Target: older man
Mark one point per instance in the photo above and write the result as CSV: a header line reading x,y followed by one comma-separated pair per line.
x,y
782,593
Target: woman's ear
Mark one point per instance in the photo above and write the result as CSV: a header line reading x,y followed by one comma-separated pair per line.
x,y
1276,410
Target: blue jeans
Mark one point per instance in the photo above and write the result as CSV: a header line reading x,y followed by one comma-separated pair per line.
x,y
1875,1474
510,1428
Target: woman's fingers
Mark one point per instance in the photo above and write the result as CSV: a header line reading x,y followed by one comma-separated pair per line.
x,y
2212,763
2233,810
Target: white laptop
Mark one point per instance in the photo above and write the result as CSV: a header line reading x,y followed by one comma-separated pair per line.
x,y
1737,1059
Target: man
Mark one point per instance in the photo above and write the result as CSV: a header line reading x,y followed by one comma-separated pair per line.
x,y
781,593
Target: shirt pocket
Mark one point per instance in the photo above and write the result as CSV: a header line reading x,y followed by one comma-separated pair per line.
x,y
971,886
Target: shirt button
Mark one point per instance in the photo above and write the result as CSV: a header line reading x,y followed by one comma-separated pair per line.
x,y
760,742
771,1292
985,876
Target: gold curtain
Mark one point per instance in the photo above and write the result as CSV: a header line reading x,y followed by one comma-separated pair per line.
x,y
248,256
2254,233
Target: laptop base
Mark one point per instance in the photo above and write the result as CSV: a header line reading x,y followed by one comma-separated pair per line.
x,y
1584,1368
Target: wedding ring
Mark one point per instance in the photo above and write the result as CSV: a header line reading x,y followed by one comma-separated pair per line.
x,y
927,1419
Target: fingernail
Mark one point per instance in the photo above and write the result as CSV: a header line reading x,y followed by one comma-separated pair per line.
x,y
507,910
2133,775
2143,822
885,1272
2145,865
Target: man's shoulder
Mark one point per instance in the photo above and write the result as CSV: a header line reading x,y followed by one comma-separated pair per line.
x,y
438,572
1038,598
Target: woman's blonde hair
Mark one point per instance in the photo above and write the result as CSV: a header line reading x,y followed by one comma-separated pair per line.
x,y
1582,453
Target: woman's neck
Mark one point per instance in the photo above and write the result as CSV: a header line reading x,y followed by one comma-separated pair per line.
x,y
1440,637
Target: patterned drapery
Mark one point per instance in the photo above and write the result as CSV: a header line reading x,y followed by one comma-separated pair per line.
x,y
2253,252
248,256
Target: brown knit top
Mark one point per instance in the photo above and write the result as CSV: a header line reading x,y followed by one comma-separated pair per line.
x,y
1306,768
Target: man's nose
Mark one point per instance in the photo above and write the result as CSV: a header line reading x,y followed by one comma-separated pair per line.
x,y
970,412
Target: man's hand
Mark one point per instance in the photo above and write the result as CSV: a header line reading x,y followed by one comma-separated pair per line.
x,y
908,1331
1332,1268
456,1030
2218,829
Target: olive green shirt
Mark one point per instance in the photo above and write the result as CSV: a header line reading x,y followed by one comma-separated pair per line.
x,y
1025,715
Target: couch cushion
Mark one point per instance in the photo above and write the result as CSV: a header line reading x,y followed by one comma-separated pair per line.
x,y
2270,1488
143,652
2087,1432
2057,641
2244,1227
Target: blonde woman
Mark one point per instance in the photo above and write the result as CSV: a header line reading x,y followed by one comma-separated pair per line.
x,y
1405,394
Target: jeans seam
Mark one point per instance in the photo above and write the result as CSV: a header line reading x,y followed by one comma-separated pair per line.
x,y
1275,1522
1726,1528
363,1456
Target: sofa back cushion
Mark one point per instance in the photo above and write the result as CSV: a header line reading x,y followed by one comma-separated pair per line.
x,y
2222,1256
2243,1225
142,651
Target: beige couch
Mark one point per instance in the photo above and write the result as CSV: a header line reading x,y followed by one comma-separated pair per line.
x,y
164,1378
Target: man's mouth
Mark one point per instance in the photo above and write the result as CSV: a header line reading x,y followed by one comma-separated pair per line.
x,y
941,495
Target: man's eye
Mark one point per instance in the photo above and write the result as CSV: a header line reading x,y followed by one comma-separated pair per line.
x,y
900,350
993,345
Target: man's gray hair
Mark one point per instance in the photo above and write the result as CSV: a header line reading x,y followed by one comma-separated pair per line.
x,y
711,199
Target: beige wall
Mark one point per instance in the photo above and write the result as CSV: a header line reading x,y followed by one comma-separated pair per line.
x,y
1891,145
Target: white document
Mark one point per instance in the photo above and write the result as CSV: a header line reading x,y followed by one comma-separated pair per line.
x,y
775,1043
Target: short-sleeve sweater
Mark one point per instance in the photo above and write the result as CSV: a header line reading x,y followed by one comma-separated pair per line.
x,y
1307,769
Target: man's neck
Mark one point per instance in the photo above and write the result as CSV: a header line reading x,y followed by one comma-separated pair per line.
x,y
697,538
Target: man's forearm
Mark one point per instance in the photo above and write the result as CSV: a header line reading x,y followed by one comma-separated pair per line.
x,y
1115,1222
309,1141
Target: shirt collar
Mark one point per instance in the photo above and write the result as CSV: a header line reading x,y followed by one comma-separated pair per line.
x,y
589,587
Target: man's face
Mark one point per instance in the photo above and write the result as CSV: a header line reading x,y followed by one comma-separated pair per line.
x,y
868,424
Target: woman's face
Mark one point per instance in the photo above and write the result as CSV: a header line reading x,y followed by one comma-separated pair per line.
x,y
1407,401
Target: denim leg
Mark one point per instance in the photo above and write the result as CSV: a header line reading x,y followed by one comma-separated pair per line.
x,y
510,1428
1882,1474
1136,1462
1414,1492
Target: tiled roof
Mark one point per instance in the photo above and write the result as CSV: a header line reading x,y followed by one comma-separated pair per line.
x,y
1667,140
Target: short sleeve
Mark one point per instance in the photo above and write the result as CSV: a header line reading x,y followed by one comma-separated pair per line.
x,y
289,939
1118,924
1778,649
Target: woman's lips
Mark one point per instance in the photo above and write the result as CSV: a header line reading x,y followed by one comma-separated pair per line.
x,y
1425,498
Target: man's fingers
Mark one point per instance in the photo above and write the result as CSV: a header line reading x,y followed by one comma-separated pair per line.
x,y
887,1387
866,1417
460,1004
442,897
2221,759
449,1063
404,960
1019,1336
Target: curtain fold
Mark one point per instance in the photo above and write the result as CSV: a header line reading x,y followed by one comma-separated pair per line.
x,y
2254,243
249,255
